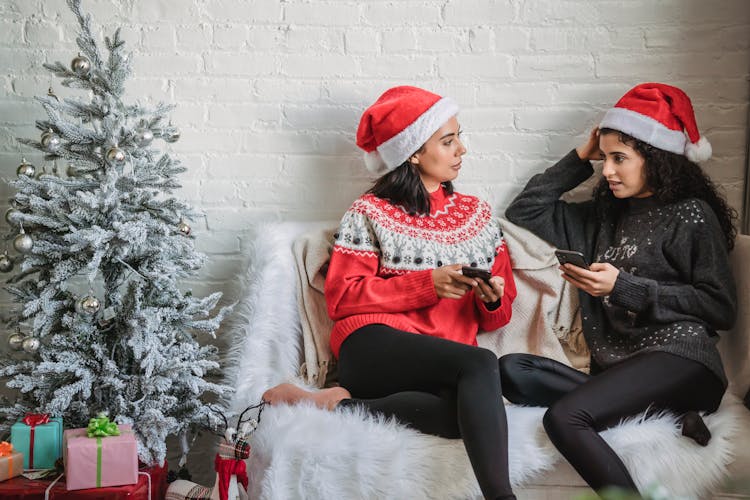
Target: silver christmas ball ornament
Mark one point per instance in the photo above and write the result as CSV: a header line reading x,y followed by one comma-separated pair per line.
x,y
31,344
143,135
10,215
23,243
50,141
116,156
6,263
80,65
26,169
184,228
70,170
173,137
15,341
88,305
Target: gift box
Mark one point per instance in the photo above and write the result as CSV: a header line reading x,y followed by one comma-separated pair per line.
x,y
21,488
39,439
95,462
11,461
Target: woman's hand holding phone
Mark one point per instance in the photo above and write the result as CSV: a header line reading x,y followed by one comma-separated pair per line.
x,y
450,283
489,288
598,280
490,291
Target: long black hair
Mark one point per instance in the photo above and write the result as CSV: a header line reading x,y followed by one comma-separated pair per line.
x,y
672,177
403,186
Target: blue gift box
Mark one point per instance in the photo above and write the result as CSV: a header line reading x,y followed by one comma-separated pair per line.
x,y
47,443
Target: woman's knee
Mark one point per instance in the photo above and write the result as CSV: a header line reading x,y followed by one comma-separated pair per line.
x,y
480,360
562,420
511,365
513,374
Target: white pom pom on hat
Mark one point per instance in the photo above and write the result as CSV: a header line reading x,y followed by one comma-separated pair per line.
x,y
399,123
662,116
699,151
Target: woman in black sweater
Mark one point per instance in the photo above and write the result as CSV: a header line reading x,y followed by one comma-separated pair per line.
x,y
659,287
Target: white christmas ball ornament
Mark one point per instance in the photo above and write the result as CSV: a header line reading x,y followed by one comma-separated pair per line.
x,y
15,341
173,137
26,169
31,344
6,263
80,65
10,216
50,141
184,228
143,136
88,305
23,243
116,156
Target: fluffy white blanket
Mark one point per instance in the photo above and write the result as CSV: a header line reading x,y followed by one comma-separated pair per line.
x,y
303,452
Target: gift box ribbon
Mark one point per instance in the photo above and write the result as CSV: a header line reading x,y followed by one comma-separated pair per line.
x,y
101,427
98,428
6,450
32,420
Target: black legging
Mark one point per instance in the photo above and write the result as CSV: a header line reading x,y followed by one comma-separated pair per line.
x,y
438,387
581,405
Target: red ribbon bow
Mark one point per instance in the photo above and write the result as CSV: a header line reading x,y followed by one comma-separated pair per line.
x,y
34,419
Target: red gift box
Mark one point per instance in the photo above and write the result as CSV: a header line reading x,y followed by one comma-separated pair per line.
x,y
20,488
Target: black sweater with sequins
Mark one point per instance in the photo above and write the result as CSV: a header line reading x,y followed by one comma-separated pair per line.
x,y
675,288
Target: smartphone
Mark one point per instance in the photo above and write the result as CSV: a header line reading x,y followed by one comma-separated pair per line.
x,y
475,272
571,257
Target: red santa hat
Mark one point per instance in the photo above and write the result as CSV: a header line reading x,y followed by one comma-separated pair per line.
x,y
398,124
662,116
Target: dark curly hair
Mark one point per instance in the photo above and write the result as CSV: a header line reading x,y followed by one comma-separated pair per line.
x,y
403,186
672,178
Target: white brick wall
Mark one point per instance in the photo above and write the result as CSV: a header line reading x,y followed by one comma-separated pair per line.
x,y
269,92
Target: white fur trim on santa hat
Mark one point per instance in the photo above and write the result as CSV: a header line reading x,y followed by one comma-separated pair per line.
x,y
375,164
645,128
699,151
401,146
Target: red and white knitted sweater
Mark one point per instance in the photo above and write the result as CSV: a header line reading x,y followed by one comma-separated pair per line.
x,y
382,262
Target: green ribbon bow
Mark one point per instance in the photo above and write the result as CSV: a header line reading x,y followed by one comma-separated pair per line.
x,y
101,427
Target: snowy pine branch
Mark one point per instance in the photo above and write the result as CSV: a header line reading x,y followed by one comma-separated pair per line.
x,y
100,285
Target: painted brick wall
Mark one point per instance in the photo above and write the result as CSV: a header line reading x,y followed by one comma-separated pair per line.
x,y
269,92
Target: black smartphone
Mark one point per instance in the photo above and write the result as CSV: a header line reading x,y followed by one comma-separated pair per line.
x,y
571,257
475,272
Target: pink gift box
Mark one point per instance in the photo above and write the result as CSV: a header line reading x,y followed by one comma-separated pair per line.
x,y
100,462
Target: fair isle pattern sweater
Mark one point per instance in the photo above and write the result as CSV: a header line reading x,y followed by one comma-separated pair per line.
x,y
381,268
675,286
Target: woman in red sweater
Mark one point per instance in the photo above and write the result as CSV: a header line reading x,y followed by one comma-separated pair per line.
x,y
406,316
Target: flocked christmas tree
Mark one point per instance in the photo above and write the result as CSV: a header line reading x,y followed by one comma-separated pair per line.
x,y
101,324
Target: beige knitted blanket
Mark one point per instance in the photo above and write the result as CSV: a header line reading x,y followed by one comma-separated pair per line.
x,y
546,319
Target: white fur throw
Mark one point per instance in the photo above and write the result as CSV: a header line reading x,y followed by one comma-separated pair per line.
x,y
302,452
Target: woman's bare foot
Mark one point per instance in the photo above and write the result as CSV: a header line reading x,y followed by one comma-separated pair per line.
x,y
291,394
